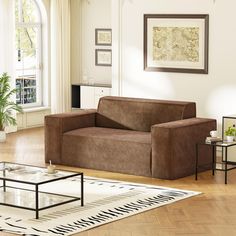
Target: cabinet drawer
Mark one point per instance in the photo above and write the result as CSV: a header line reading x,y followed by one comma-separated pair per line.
x,y
99,91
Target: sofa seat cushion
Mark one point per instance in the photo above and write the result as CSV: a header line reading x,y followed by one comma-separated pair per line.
x,y
115,150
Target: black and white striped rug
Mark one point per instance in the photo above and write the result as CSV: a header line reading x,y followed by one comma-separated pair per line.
x,y
105,201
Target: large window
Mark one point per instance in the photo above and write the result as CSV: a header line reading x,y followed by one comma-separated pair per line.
x,y
28,53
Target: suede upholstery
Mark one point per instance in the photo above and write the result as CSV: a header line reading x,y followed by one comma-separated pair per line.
x,y
57,125
170,142
140,114
133,149
145,137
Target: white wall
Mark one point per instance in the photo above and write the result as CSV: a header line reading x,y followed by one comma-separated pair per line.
x,y
75,31
86,15
214,93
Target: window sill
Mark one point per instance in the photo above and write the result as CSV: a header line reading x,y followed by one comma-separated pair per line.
x,y
33,109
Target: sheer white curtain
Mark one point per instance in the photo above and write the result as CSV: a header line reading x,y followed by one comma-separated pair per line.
x,y
7,42
60,56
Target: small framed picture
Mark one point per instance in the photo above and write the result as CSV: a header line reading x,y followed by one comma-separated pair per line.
x,y
103,37
103,57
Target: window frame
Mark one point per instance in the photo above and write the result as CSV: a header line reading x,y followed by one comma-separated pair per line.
x,y
39,56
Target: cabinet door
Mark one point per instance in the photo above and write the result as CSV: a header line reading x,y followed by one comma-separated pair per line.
x,y
101,92
87,97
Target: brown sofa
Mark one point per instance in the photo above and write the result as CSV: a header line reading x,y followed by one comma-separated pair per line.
x,y
145,137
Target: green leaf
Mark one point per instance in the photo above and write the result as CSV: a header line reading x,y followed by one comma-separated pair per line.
x,y
7,106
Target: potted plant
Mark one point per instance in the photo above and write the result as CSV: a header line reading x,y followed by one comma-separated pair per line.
x,y
230,133
7,106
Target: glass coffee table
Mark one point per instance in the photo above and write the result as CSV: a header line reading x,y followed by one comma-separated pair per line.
x,y
21,187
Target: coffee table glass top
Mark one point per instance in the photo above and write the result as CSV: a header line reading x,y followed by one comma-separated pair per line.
x,y
31,174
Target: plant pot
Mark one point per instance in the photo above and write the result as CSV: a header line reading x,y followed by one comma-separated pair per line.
x,y
2,136
229,138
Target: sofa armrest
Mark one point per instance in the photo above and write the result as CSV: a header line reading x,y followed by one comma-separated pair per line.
x,y
174,147
56,125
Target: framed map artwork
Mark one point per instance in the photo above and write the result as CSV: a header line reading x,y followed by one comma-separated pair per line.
x,y
103,37
103,57
176,43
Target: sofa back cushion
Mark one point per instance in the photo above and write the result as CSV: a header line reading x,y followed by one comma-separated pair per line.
x,y
140,114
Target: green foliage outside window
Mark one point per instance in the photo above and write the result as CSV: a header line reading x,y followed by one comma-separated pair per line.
x,y
26,36
28,23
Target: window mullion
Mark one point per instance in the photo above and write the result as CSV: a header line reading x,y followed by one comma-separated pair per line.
x,y
20,11
24,74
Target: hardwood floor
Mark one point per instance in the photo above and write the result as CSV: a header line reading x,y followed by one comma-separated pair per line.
x,y
211,213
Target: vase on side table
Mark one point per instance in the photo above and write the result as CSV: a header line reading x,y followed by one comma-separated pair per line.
x,y
230,138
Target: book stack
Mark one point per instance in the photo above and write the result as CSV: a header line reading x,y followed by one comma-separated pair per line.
x,y
213,139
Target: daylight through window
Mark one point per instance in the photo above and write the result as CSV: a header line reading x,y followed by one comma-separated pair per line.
x,y
28,53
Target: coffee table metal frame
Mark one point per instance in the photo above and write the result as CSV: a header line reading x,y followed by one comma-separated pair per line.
x,y
36,189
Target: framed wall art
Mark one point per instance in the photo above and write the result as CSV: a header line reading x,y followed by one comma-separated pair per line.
x,y
176,43
103,57
103,37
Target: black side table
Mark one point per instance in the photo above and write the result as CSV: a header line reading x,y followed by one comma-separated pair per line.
x,y
224,164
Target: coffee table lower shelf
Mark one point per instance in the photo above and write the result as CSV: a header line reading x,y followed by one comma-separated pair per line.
x,y
14,193
25,186
33,199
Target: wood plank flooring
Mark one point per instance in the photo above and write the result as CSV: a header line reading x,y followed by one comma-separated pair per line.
x,y
211,213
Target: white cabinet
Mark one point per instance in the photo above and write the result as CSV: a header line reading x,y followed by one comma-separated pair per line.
x,y
89,96
100,92
86,97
